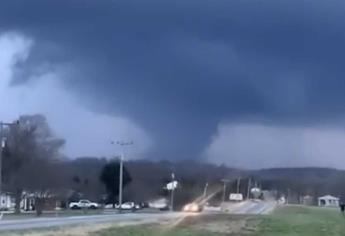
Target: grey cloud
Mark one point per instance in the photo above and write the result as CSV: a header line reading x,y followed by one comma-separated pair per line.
x,y
262,146
178,68
87,132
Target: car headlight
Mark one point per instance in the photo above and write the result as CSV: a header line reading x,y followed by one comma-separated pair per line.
x,y
194,207
186,207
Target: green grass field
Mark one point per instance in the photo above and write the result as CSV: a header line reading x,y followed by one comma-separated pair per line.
x,y
153,231
209,225
304,221
285,221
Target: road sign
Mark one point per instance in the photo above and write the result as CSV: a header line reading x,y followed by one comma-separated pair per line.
x,y
172,185
236,197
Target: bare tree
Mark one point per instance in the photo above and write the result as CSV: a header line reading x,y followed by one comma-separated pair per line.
x,y
31,150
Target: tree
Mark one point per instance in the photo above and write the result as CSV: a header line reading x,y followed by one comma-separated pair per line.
x,y
82,176
28,164
110,176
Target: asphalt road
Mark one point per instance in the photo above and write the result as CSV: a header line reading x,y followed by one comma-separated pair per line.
x,y
256,208
248,207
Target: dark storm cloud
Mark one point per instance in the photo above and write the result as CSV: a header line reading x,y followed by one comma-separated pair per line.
x,y
178,68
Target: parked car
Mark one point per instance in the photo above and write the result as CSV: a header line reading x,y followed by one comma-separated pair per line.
x,y
144,205
161,204
109,206
128,206
82,204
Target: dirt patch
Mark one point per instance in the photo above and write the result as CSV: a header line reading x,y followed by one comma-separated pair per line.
x,y
226,224
222,224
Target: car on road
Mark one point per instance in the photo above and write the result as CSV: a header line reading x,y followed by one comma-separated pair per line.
x,y
193,207
83,204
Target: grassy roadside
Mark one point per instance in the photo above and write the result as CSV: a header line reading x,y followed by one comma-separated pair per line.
x,y
153,230
64,213
204,225
285,221
303,221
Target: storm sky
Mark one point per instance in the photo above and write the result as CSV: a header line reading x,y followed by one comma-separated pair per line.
x,y
250,84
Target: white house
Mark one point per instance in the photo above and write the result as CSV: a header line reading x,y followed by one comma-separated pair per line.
x,y
328,201
6,201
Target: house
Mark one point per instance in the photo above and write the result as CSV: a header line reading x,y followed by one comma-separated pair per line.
x,y
328,201
29,201
6,201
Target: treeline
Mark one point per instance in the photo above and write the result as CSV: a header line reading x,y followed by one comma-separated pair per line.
x,y
148,179
298,182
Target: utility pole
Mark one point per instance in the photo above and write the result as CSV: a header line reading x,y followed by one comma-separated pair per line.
x,y
122,144
121,183
238,184
225,181
205,190
172,191
1,149
248,189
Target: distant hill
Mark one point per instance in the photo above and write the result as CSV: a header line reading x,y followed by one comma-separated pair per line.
x,y
149,177
298,172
